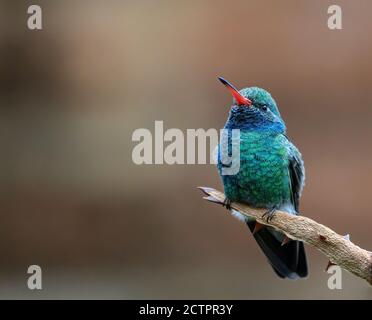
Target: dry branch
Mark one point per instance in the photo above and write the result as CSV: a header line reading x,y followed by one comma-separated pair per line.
x,y
339,249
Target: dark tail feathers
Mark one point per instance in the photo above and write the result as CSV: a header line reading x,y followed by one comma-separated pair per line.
x,y
288,261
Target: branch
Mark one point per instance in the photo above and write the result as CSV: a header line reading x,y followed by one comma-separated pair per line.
x,y
340,250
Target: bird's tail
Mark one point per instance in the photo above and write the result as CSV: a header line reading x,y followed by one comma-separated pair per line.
x,y
288,260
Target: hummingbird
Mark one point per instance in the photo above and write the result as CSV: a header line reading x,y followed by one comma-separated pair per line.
x,y
271,175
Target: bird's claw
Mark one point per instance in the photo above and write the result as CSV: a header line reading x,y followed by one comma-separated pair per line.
x,y
227,203
269,214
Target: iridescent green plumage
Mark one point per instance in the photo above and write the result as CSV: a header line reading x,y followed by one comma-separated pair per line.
x,y
263,178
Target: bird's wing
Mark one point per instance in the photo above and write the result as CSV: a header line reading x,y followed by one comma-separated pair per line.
x,y
296,173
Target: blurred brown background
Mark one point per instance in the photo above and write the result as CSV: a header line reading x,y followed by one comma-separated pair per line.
x,y
71,95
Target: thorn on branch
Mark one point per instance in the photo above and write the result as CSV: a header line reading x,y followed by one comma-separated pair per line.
x,y
322,238
285,241
330,264
257,227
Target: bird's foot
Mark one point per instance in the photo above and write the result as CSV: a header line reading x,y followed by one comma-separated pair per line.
x,y
227,203
269,214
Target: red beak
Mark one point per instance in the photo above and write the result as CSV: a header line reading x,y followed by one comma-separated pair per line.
x,y
240,100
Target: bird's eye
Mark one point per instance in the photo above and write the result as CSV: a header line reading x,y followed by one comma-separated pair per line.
x,y
264,108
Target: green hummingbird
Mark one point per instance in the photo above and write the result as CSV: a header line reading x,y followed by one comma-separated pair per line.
x,y
271,174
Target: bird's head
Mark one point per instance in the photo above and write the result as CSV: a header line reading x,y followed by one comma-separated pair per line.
x,y
253,109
